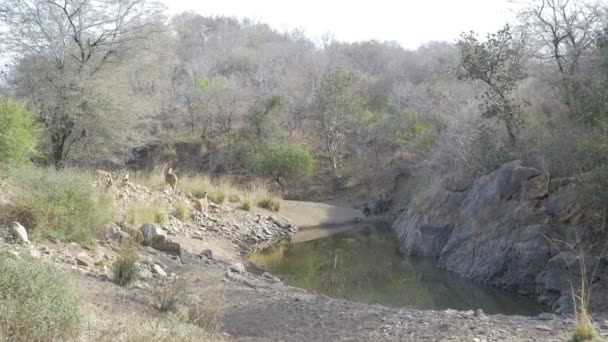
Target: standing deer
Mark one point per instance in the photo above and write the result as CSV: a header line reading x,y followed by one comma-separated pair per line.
x,y
202,205
171,179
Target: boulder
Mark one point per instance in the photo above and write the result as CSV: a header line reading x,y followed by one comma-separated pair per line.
x,y
19,232
164,244
536,188
134,234
149,232
493,231
83,260
237,267
207,253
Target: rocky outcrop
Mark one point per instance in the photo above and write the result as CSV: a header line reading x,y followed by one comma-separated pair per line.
x,y
498,231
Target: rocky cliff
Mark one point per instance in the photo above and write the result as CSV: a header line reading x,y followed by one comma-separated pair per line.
x,y
501,231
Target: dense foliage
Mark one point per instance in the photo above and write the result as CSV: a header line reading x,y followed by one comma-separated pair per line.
x,y
209,93
37,303
18,133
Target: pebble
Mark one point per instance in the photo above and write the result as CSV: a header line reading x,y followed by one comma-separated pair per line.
x,y
544,327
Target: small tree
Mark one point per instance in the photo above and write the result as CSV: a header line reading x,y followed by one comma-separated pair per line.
x,y
496,62
264,120
283,160
334,105
18,132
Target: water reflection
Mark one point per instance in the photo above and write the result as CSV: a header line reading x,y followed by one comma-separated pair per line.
x,y
364,265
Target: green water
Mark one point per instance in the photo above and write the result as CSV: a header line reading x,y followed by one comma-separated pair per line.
x,y
365,265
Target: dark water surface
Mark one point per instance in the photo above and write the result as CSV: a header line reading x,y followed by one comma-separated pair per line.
x,y
364,265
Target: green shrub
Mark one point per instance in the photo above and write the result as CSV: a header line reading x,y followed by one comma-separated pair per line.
x,y
283,160
18,133
181,211
125,268
154,212
270,203
36,302
217,197
59,204
246,205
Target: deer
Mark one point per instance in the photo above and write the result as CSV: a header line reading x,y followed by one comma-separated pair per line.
x,y
105,178
202,205
125,179
171,179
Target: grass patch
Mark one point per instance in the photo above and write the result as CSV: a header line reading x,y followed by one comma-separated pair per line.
x,y
204,310
37,303
270,203
125,268
165,298
154,212
247,205
181,211
168,328
59,204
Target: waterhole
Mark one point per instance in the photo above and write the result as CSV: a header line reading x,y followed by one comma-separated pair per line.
x,y
364,264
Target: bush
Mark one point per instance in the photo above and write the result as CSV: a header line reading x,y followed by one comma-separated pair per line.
x,y
204,310
18,133
487,153
246,205
141,213
59,204
125,268
166,297
181,211
283,160
36,302
270,203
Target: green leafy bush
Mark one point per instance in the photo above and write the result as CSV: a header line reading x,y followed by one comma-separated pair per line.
x,y
59,204
37,303
18,133
283,160
125,268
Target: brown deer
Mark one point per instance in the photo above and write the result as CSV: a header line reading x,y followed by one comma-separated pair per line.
x,y
202,205
171,179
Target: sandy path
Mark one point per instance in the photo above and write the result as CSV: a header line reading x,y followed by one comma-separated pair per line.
x,y
310,214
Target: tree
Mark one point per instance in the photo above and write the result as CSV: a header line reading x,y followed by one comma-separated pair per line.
x,y
334,106
64,46
18,132
495,62
264,120
282,160
563,31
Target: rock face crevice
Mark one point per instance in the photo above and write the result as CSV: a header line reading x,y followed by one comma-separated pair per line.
x,y
499,231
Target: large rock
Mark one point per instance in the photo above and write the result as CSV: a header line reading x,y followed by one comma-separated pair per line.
x,y
164,244
564,273
496,231
19,232
424,228
149,232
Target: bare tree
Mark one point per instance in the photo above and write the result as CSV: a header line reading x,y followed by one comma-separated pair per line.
x,y
67,43
563,31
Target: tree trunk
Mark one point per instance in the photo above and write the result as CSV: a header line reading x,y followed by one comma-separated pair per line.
x,y
277,179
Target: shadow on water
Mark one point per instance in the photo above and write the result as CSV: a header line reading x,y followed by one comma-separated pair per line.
x,y
365,265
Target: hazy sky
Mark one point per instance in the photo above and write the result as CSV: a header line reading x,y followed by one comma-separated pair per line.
x,y
410,22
